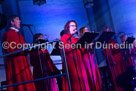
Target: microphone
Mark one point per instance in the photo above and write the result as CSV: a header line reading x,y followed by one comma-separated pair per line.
x,y
27,25
72,35
76,32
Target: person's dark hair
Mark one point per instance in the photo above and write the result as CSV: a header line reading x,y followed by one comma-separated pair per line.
x,y
66,27
12,17
35,37
62,33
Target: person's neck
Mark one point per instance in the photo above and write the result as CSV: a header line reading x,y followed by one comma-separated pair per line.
x,y
16,30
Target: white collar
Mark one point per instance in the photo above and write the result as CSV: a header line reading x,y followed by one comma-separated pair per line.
x,y
16,30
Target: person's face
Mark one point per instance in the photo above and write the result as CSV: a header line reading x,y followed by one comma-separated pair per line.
x,y
16,23
108,30
40,37
85,30
124,39
72,27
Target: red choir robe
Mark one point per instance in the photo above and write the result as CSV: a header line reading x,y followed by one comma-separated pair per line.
x,y
17,65
116,55
80,84
88,67
133,55
127,60
133,52
48,68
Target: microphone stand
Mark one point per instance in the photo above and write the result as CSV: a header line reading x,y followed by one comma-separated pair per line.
x,y
38,53
41,67
112,63
30,30
62,54
104,40
115,38
91,68
69,39
95,62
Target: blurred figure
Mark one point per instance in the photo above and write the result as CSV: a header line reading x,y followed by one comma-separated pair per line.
x,y
133,52
17,65
45,68
127,61
91,75
107,29
115,55
76,69
82,30
123,38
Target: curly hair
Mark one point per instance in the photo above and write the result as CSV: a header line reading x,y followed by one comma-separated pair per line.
x,y
66,27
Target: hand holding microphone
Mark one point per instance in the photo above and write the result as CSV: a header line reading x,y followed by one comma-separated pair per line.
x,y
75,32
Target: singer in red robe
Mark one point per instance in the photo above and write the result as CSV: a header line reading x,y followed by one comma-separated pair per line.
x,y
115,55
78,76
45,69
17,65
127,60
94,78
